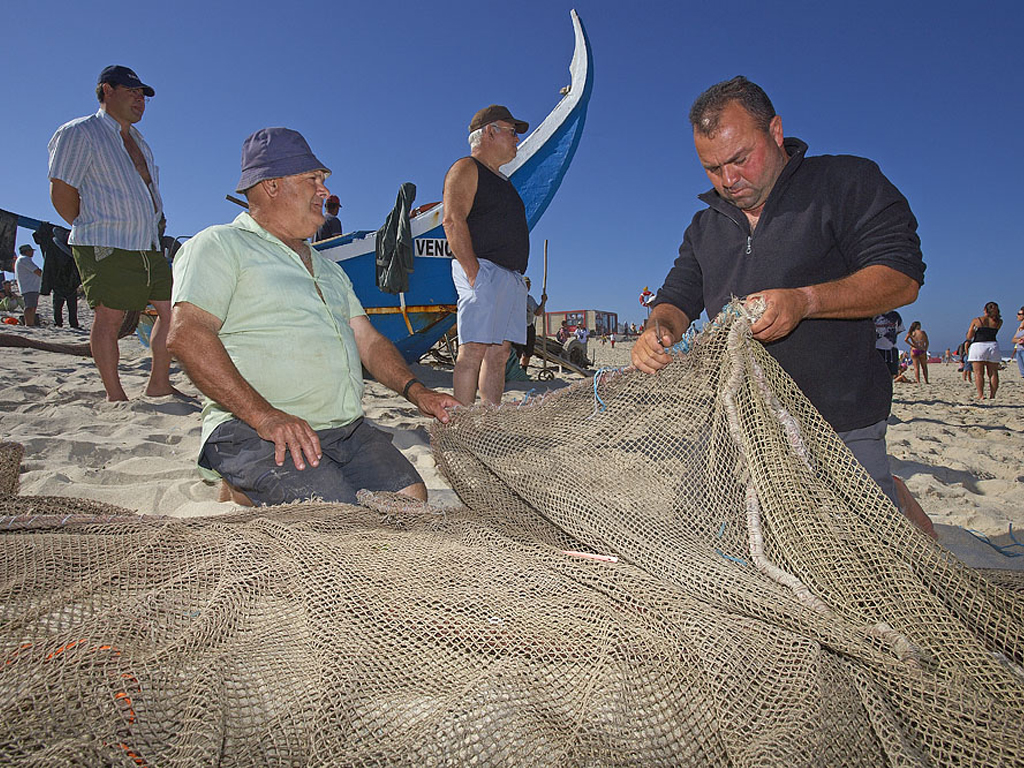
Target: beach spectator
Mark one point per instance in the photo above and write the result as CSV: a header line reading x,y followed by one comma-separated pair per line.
x,y
563,332
281,364
611,337
332,224
582,334
485,223
533,311
918,341
947,357
30,279
9,301
104,183
826,243
60,275
888,327
984,352
1018,341
965,366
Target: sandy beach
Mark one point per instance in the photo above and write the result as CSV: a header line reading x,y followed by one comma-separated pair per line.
x,y
960,458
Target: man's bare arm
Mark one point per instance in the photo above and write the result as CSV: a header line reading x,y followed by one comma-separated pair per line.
x,y
866,293
665,327
459,192
66,200
385,362
194,341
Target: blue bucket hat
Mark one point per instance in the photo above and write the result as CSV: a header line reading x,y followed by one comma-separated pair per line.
x,y
271,153
115,74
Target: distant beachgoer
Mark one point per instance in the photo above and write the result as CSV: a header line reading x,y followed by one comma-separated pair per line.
x,y
582,334
533,311
485,223
105,183
1018,341
60,274
30,278
965,366
274,336
9,301
918,341
947,357
611,338
332,224
888,327
984,351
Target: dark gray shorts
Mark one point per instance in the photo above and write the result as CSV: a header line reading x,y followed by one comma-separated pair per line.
x,y
355,456
867,444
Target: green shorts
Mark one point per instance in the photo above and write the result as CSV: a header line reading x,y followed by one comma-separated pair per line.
x,y
122,279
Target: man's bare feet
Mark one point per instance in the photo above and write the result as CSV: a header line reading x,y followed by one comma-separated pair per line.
x,y
228,492
168,393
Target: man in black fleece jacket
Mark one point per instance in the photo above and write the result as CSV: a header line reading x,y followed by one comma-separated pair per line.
x,y
827,242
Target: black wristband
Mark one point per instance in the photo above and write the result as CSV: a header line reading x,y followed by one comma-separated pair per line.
x,y
408,386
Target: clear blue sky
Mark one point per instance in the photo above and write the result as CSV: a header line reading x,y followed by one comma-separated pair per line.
x,y
932,91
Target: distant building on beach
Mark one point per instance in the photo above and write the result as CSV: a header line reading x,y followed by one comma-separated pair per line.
x,y
595,320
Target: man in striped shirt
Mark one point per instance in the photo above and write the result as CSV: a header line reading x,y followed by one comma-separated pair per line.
x,y
104,183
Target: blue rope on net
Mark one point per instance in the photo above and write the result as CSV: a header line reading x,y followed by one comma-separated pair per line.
x,y
526,397
599,404
1002,549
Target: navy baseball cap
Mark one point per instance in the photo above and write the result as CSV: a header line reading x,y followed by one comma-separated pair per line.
x,y
271,153
115,74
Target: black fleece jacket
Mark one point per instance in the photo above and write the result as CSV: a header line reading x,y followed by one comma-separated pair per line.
x,y
826,218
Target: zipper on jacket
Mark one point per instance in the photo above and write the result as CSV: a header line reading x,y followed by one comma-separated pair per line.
x,y
749,237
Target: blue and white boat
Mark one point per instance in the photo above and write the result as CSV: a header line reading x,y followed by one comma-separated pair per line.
x,y
417,319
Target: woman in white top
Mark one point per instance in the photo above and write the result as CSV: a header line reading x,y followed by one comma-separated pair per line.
x,y
984,352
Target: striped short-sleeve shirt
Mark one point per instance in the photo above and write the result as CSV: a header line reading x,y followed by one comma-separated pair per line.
x,y
118,209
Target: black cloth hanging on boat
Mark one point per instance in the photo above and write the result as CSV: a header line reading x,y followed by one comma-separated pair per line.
x,y
8,236
60,273
394,244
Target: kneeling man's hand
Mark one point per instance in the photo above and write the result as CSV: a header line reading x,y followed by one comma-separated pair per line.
x,y
290,433
432,403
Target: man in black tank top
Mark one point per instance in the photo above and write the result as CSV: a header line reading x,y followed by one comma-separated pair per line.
x,y
485,223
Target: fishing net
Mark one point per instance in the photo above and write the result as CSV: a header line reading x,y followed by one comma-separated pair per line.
x,y
680,569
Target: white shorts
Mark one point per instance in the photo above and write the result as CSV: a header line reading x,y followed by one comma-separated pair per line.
x,y
983,352
492,310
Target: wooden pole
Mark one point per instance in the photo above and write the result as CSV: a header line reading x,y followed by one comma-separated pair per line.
x,y
544,287
544,290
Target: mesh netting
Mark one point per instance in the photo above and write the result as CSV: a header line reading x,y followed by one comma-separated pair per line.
x,y
754,600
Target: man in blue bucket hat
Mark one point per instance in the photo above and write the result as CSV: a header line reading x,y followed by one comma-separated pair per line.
x,y
273,335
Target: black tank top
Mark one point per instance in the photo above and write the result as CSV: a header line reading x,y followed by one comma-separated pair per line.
x,y
984,333
497,221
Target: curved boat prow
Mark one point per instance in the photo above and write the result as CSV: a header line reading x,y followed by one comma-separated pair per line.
x,y
544,156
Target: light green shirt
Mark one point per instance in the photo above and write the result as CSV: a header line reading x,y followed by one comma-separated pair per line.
x,y
296,349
